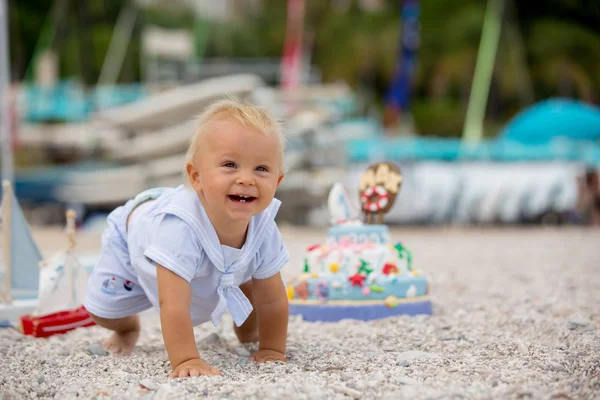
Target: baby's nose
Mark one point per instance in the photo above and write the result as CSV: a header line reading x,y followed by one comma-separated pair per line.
x,y
245,178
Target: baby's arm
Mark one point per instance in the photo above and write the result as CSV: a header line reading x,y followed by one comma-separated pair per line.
x,y
174,296
271,304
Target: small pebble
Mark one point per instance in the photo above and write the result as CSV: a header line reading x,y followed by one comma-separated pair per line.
x,y
241,351
355,394
165,391
405,380
191,388
217,361
556,366
522,348
345,376
377,377
148,384
412,355
370,354
210,339
97,350
448,336
64,352
73,388
404,363
243,361
577,322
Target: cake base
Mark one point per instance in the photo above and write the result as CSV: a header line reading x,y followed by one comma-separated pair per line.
x,y
336,311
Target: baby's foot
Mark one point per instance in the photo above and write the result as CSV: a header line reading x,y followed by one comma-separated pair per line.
x,y
121,343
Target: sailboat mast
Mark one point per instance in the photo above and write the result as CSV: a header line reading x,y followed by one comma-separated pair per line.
x,y
5,128
5,293
69,258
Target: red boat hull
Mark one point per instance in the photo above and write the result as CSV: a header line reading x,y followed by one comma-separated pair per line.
x,y
56,323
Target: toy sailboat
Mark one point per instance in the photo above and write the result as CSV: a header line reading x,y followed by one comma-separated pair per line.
x,y
46,294
62,287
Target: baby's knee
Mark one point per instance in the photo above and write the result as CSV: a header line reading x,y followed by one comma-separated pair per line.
x,y
130,323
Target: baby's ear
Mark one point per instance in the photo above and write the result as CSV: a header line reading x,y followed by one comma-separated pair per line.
x,y
280,178
192,174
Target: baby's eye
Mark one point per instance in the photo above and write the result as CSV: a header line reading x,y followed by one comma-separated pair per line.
x,y
262,169
229,165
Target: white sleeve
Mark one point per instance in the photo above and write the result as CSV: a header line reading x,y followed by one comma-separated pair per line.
x,y
274,255
174,245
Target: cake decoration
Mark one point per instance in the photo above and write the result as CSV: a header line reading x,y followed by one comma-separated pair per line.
x,y
379,186
359,272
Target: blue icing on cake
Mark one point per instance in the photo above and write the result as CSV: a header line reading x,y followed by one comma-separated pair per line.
x,y
376,234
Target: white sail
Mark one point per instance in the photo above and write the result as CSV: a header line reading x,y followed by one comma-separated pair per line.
x,y
56,289
341,209
63,281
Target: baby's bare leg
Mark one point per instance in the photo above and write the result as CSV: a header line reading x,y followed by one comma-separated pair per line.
x,y
126,333
248,332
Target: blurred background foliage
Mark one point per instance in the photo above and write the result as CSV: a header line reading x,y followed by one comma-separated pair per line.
x,y
548,48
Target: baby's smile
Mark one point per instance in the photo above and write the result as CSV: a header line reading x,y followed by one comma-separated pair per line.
x,y
241,198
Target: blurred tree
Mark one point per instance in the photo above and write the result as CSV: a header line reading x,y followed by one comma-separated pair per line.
x,y
565,59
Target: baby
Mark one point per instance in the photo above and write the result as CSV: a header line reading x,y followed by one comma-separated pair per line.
x,y
195,253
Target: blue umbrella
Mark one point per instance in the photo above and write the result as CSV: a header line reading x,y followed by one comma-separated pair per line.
x,y
554,118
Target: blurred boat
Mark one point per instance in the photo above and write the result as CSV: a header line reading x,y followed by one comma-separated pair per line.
x,y
177,105
472,193
69,101
144,143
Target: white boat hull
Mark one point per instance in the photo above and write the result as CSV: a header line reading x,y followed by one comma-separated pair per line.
x,y
11,312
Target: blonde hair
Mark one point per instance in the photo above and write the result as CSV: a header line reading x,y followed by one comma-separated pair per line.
x,y
248,115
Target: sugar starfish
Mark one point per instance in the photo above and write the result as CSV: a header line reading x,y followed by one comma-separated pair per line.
x,y
357,279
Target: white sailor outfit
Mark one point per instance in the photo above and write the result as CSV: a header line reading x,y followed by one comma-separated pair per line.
x,y
175,232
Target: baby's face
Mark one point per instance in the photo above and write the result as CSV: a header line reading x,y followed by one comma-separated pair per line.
x,y
238,170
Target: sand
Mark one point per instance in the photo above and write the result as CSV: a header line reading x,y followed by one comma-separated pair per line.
x,y
516,315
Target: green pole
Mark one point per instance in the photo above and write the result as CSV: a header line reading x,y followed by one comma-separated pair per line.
x,y
201,32
47,35
484,67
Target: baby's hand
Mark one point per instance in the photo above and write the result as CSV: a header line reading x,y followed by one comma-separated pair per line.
x,y
267,355
193,367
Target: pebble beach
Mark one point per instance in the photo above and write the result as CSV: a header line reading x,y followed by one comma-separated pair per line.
x,y
516,315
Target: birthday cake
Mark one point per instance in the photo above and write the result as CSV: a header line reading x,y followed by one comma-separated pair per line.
x,y
359,272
